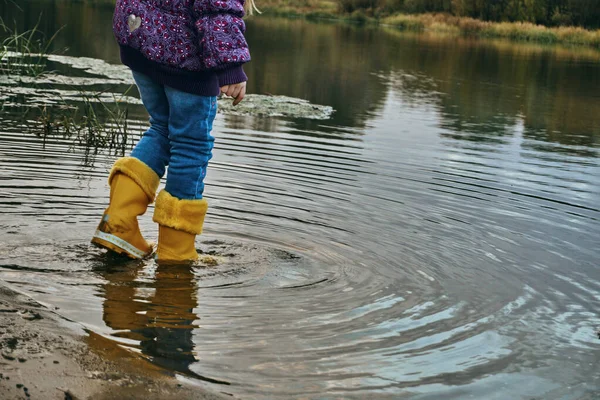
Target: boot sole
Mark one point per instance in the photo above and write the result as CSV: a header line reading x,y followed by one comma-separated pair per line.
x,y
117,245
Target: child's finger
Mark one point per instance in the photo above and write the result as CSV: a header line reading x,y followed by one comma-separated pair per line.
x,y
236,91
224,89
240,96
230,91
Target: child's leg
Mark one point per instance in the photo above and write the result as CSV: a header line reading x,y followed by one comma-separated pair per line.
x,y
153,147
134,180
180,208
190,123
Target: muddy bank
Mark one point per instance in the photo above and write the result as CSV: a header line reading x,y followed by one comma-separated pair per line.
x,y
45,356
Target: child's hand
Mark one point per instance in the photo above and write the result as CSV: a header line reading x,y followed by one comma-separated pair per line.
x,y
237,91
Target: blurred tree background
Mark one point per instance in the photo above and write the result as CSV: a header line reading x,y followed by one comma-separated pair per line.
x,y
581,13
584,13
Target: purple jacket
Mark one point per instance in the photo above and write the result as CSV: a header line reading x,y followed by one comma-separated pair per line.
x,y
192,45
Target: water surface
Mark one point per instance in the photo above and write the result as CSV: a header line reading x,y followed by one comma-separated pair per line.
x,y
436,238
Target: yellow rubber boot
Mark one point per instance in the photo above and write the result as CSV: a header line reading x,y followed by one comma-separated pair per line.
x,y
132,187
179,222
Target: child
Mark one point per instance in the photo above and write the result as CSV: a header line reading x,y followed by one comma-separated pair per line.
x,y
183,53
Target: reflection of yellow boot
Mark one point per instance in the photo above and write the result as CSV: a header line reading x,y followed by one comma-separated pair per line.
x,y
179,222
132,187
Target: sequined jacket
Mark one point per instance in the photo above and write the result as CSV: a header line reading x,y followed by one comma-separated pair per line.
x,y
193,45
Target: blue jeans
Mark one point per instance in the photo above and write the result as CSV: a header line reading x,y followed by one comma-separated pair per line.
x,y
179,136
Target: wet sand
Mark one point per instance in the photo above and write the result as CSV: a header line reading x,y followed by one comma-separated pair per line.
x,y
45,356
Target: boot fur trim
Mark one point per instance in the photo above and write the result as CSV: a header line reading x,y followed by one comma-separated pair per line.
x,y
139,172
183,215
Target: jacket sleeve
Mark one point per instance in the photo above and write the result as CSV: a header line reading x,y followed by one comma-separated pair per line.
x,y
223,46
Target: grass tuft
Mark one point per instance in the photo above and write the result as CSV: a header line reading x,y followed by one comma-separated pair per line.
x,y
92,123
24,53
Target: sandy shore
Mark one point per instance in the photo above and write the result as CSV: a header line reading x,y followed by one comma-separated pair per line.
x,y
45,356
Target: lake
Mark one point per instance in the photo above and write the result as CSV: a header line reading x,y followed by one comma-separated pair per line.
x,y
437,237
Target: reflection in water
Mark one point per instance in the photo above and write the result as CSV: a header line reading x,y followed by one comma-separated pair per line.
x,y
157,314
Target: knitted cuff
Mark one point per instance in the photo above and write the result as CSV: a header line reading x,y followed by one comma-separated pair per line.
x,y
231,75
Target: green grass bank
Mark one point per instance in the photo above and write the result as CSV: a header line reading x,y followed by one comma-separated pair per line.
x,y
435,22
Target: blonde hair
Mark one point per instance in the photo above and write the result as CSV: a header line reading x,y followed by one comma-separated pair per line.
x,y
251,7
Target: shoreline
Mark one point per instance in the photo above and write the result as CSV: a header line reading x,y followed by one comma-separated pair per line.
x,y
46,356
523,32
